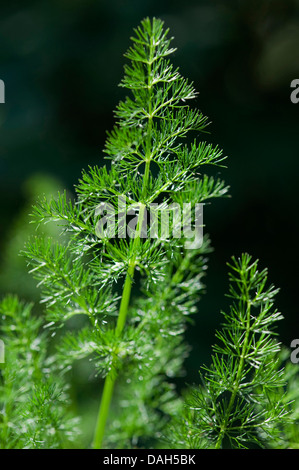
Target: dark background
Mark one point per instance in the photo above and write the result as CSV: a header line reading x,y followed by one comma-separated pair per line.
x,y
61,61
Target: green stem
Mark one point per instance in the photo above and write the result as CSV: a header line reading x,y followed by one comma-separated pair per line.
x,y
103,411
238,376
123,310
111,377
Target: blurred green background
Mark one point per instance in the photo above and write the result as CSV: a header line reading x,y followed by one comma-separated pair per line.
x,y
61,62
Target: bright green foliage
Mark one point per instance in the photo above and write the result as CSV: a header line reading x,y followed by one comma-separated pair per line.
x,y
137,344
241,402
33,393
157,321
123,299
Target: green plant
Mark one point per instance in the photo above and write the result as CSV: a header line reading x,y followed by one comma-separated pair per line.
x,y
34,399
139,341
242,400
120,292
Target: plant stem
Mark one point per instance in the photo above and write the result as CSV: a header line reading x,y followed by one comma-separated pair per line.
x,y
123,310
103,411
238,375
111,377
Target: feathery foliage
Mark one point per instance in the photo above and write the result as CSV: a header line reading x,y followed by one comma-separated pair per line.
x,y
123,278
33,390
241,401
90,271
